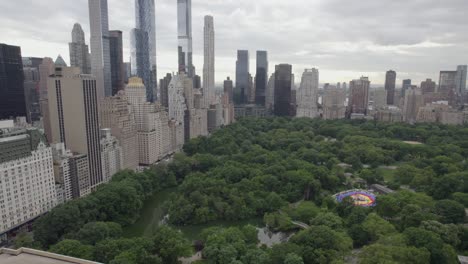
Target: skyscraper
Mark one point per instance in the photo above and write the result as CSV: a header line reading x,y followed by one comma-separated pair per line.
x,y
209,60
333,102
448,84
139,42
390,82
359,96
242,77
413,101
283,91
100,54
31,87
74,117
79,51
229,89
116,57
164,90
405,86
428,86
12,98
184,29
460,80
307,96
145,22
261,77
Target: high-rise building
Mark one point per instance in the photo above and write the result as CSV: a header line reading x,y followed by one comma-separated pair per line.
x,y
229,89
27,184
45,69
62,172
390,84
127,71
405,86
79,51
117,114
413,101
283,91
261,78
460,79
12,99
448,84
140,59
209,60
116,59
333,102
242,77
74,117
177,109
428,86
31,87
164,90
111,155
270,93
145,46
359,96
100,53
184,29
79,168
380,99
307,96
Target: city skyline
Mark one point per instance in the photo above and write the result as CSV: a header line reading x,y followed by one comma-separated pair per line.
x,y
415,50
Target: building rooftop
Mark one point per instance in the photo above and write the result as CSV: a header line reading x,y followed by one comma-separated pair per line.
x,y
32,256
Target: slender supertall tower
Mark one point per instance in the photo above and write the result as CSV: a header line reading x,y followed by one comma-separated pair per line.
x,y
100,54
184,28
79,51
144,54
242,77
209,63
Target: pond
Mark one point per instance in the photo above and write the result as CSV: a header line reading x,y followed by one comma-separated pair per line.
x,y
152,215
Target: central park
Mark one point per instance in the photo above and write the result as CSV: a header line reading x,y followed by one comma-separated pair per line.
x,y
262,191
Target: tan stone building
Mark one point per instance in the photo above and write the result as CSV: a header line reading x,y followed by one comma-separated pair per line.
x,y
334,100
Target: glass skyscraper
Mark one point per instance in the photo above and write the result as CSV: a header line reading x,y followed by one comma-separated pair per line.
x,y
116,56
12,98
184,29
242,77
145,23
261,77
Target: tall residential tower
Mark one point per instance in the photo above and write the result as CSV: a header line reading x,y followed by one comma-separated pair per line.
x,y
209,60
184,29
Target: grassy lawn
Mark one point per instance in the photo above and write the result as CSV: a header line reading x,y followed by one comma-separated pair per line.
x,y
388,175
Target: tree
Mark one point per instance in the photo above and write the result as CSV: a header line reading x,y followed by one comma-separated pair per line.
x,y
440,252
450,211
73,248
170,244
328,219
293,259
93,232
377,253
377,227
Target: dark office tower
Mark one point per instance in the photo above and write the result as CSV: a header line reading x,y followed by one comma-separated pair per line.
x,y
428,86
31,87
116,58
184,29
405,86
359,96
12,98
141,60
229,89
127,71
283,91
164,90
261,77
146,21
79,51
196,82
242,77
390,83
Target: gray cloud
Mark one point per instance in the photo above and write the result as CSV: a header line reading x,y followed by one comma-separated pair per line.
x,y
343,38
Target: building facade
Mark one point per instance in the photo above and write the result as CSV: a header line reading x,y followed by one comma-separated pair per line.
x,y
116,60
12,99
184,29
284,105
139,42
74,117
241,90
359,96
111,155
460,79
428,86
333,102
390,84
79,51
100,51
27,184
261,77
209,60
307,95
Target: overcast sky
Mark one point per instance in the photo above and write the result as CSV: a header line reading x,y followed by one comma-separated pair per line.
x,y
343,38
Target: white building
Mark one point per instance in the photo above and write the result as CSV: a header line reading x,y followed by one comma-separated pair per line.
x,y
62,172
27,184
209,60
307,96
111,155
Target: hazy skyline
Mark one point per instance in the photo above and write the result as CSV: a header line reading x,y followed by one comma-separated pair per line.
x,y
344,39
